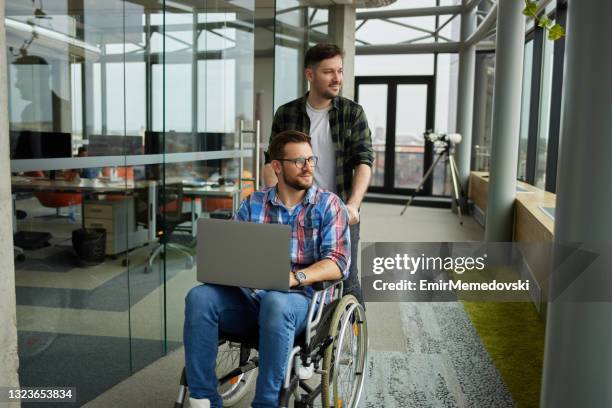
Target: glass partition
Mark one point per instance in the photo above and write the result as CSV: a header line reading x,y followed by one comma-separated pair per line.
x,y
297,27
373,98
544,113
525,110
483,111
133,113
447,71
410,124
208,84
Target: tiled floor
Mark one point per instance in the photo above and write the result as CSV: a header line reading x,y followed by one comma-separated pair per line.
x,y
91,327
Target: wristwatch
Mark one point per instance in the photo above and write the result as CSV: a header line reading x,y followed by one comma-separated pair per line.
x,y
300,276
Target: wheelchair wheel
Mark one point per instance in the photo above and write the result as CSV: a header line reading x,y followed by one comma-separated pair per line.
x,y
228,358
344,361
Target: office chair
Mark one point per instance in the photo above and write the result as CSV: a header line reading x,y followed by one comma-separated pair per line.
x,y
55,199
58,200
169,216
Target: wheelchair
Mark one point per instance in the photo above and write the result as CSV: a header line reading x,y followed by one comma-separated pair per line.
x,y
333,345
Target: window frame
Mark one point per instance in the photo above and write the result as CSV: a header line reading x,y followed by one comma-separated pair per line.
x,y
555,102
538,35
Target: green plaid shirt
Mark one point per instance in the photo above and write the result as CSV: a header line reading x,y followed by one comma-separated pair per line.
x,y
349,130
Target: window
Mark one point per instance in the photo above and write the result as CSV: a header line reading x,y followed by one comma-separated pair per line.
x,y
544,114
172,105
446,114
483,110
525,106
384,65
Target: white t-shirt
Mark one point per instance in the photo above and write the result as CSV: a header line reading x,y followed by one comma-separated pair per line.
x,y
290,210
323,146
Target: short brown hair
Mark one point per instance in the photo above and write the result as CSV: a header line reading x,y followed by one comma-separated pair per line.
x,y
320,52
278,142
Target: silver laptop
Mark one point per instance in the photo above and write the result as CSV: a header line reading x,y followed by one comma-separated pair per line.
x,y
244,254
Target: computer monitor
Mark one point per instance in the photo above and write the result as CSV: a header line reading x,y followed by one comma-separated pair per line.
x,y
153,142
172,142
27,144
181,142
114,145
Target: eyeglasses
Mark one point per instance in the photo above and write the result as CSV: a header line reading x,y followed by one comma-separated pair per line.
x,y
300,162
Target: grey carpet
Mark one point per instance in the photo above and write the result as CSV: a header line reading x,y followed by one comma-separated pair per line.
x,y
421,355
444,364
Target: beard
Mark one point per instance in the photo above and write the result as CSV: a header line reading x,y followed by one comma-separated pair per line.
x,y
328,94
297,183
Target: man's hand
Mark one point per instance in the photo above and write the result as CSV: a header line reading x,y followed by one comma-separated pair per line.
x,y
361,181
292,281
353,212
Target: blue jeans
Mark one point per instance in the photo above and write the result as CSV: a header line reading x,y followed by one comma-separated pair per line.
x,y
278,317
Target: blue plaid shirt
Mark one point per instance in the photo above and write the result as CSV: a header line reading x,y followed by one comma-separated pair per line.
x,y
319,226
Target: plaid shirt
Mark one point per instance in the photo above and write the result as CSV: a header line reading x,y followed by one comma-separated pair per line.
x,y
349,130
319,225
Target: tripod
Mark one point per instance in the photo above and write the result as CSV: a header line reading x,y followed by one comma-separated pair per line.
x,y
458,193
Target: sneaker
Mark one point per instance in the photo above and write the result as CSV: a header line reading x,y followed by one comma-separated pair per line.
x,y
199,403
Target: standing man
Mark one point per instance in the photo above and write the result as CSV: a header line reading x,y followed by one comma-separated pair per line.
x,y
340,138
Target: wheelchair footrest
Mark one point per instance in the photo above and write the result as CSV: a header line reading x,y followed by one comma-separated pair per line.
x,y
250,365
305,372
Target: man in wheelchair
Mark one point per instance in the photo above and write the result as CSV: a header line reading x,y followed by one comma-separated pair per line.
x,y
320,251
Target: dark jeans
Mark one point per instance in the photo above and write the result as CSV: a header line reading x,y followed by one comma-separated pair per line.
x,y
351,284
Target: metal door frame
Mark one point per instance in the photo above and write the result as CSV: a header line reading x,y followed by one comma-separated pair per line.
x,y
392,83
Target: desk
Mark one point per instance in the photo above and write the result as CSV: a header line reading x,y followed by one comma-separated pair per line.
x,y
532,228
118,218
232,191
99,186
22,183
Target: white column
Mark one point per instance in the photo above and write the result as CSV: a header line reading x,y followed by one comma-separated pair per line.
x,y
342,33
506,119
465,97
264,66
578,352
9,361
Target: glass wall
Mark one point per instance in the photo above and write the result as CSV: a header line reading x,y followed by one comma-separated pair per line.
x,y
541,103
525,107
373,98
483,111
390,65
447,79
298,27
125,123
544,114
537,107
410,124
